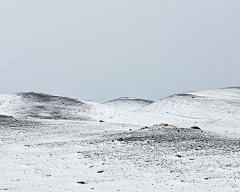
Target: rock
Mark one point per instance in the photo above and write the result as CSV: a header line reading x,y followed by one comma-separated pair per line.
x,y
100,172
81,182
195,127
178,156
120,139
163,124
101,121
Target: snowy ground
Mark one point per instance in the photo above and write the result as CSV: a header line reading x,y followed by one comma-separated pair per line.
x,y
50,143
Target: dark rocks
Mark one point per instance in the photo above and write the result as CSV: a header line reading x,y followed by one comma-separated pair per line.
x,y
195,127
101,121
164,124
81,182
120,139
100,171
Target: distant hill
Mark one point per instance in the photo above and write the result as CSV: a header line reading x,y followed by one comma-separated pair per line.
x,y
127,103
216,104
211,109
44,106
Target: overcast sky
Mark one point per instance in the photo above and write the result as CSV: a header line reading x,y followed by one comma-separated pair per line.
x,y
102,50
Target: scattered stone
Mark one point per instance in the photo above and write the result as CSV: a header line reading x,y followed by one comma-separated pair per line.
x,y
206,178
164,124
81,182
178,156
195,127
100,172
198,149
101,121
120,139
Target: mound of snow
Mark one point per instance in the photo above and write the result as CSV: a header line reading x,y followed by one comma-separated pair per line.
x,y
219,104
44,106
127,104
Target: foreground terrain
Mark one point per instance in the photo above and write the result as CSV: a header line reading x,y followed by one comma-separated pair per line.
x,y
51,143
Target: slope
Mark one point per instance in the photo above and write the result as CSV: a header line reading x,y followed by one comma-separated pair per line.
x,y
44,106
127,103
214,108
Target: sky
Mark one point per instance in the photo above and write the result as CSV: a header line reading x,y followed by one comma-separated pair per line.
x,y
103,50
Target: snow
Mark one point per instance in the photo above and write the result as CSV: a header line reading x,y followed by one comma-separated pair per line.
x,y
52,143
127,103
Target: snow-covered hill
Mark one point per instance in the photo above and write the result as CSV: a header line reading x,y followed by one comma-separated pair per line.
x,y
211,109
44,106
127,103
216,104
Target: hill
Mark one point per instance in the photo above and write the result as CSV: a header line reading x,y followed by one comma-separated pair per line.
x,y
127,103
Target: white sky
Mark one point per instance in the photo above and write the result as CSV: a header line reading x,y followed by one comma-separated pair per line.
x,y
102,50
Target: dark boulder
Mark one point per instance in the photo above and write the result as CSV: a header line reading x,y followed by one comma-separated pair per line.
x,y
195,127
